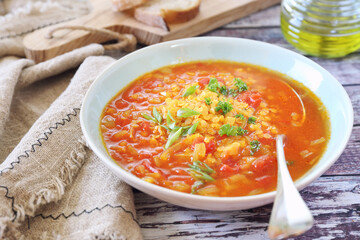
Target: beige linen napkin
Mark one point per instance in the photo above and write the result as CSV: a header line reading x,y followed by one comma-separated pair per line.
x,y
24,16
51,185
43,167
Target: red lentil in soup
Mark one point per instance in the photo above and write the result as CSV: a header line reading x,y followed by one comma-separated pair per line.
x,y
209,128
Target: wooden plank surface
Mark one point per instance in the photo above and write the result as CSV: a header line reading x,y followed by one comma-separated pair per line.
x,y
349,161
334,198
160,220
213,13
345,69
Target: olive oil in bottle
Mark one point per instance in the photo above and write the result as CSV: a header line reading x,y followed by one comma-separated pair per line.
x,y
323,28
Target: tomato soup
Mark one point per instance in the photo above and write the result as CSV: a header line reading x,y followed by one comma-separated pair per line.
x,y
209,127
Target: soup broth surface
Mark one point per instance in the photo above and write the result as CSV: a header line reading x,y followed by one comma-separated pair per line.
x,y
209,127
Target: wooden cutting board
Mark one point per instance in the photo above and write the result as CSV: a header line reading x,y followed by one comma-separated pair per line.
x,y
213,14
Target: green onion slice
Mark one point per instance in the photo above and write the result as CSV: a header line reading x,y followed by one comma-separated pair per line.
x,y
187,112
191,90
148,117
157,115
192,129
173,137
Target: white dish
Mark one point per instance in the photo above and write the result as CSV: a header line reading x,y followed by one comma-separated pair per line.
x,y
298,67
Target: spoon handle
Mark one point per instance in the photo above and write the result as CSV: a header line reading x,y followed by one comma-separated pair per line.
x,y
290,216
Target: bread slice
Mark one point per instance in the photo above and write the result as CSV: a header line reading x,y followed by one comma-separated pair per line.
x,y
121,5
160,13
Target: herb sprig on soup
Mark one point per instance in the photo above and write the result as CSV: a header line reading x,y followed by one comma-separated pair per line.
x,y
209,128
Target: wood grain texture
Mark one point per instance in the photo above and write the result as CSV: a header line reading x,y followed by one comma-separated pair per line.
x,y
346,69
354,94
334,198
265,18
349,161
336,209
213,13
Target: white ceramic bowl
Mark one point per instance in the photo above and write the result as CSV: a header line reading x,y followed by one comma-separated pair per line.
x,y
300,68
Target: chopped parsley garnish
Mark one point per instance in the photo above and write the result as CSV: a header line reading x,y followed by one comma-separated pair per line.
x,y
239,115
213,85
208,101
241,131
289,163
191,90
187,112
254,146
223,90
224,106
229,130
232,92
252,120
240,84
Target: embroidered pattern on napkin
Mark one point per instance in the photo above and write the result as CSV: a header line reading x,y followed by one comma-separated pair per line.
x,y
46,166
51,185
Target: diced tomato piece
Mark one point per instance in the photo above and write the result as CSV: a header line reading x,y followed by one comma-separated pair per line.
x,y
210,146
145,155
232,161
267,141
265,180
179,171
220,80
221,137
136,89
139,170
203,82
148,166
145,126
121,121
264,163
153,83
226,170
252,98
115,155
121,104
196,141
185,179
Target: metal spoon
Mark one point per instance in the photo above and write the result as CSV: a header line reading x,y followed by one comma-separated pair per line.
x,y
290,216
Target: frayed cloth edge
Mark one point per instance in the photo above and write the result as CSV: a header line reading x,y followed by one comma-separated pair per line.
x,y
53,192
